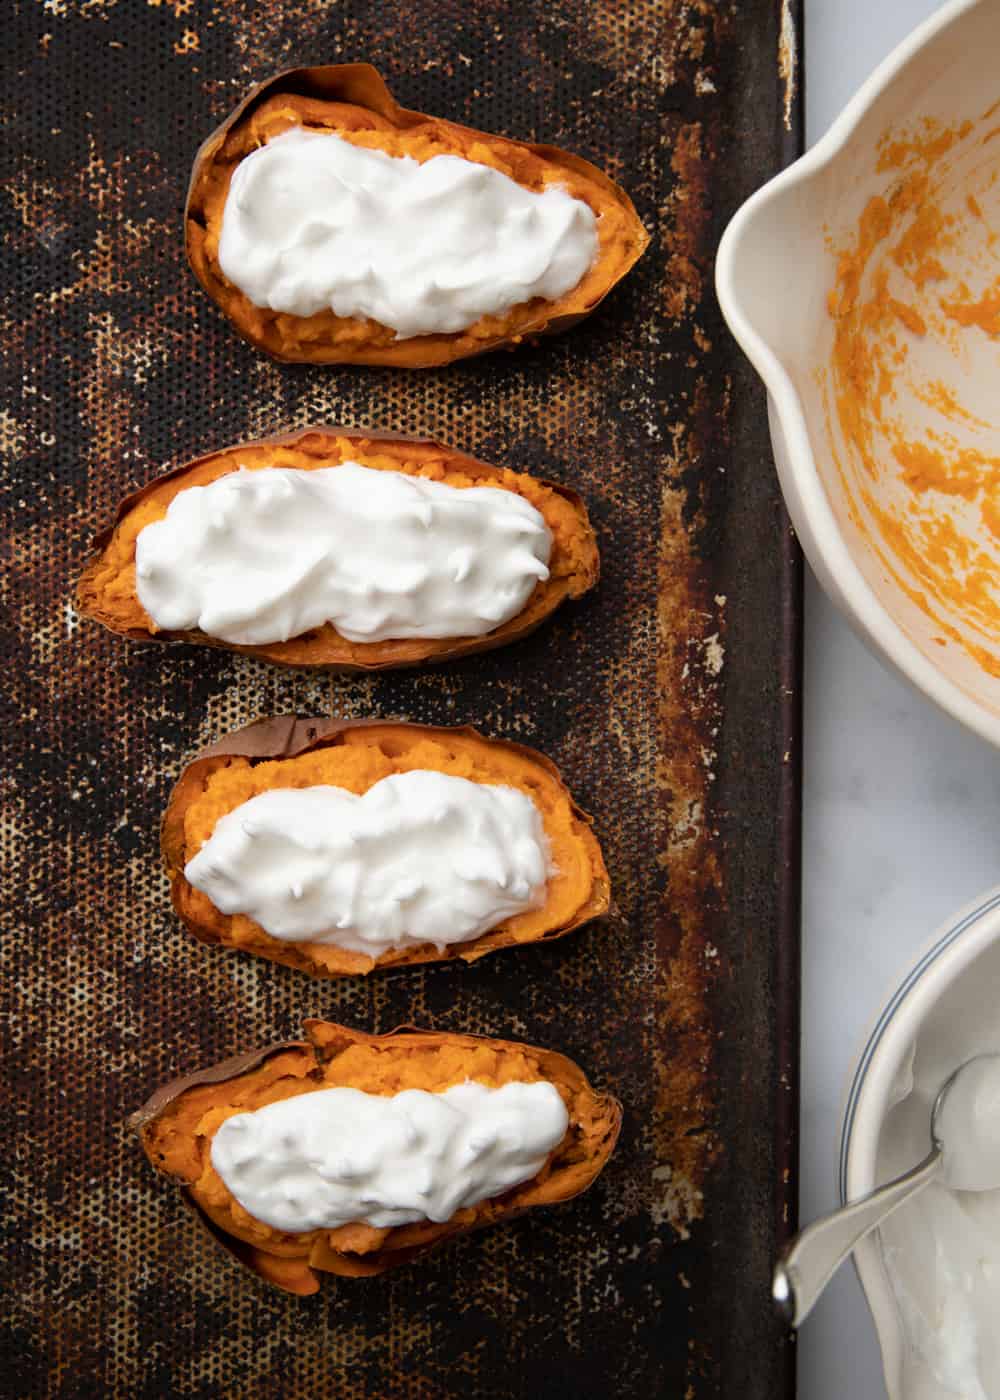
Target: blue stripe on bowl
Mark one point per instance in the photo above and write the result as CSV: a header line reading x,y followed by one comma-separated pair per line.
x,y
874,1040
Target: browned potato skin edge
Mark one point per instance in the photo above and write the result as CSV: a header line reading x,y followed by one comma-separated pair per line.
x,y
363,86
554,1063
286,737
432,651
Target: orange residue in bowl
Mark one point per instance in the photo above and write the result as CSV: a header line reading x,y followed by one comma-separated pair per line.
x,y
984,313
954,472
936,394
920,542
927,144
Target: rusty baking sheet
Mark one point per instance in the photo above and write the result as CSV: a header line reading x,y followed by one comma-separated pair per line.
x,y
668,697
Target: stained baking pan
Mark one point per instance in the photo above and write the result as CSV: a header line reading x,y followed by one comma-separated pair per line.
x,y
668,698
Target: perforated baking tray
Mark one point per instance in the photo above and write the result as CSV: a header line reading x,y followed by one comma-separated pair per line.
x,y
668,698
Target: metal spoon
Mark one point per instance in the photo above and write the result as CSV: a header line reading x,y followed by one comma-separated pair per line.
x,y
817,1252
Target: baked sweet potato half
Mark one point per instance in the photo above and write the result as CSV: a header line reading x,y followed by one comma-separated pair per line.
x,y
352,101
276,755
179,1122
107,589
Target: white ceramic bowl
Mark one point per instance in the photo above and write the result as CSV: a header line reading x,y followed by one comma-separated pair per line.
x,y
945,1010
911,564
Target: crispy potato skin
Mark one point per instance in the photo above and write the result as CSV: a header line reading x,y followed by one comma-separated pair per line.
x,y
353,100
177,1124
355,754
106,591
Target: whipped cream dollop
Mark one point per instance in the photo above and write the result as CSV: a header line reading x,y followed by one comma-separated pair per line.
x,y
262,556
421,857
336,1156
947,1289
949,1311
313,223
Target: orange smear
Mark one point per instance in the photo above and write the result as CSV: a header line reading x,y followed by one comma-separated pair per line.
x,y
914,249
990,511
984,313
926,469
923,546
930,148
910,317
937,394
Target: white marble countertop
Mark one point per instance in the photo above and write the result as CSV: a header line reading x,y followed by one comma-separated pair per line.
x,y
900,811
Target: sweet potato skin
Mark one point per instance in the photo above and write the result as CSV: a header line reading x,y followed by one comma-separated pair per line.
x,y
296,1263
290,737
360,91
324,648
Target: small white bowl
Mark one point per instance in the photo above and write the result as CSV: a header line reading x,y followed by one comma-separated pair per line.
x,y
944,1011
777,266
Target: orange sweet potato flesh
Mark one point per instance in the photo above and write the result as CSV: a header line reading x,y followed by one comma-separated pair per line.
x,y
177,1124
106,591
352,100
288,752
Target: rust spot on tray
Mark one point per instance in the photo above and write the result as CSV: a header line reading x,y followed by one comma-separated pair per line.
x,y
688,211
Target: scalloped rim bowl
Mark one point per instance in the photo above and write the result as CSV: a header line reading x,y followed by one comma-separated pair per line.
x,y
774,270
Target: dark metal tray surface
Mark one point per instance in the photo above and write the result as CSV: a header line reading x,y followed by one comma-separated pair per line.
x,y
668,697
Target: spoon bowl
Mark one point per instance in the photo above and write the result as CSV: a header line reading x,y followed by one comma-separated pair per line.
x,y
965,1154
965,1125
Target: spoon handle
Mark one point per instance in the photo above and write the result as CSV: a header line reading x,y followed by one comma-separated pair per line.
x,y
816,1253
